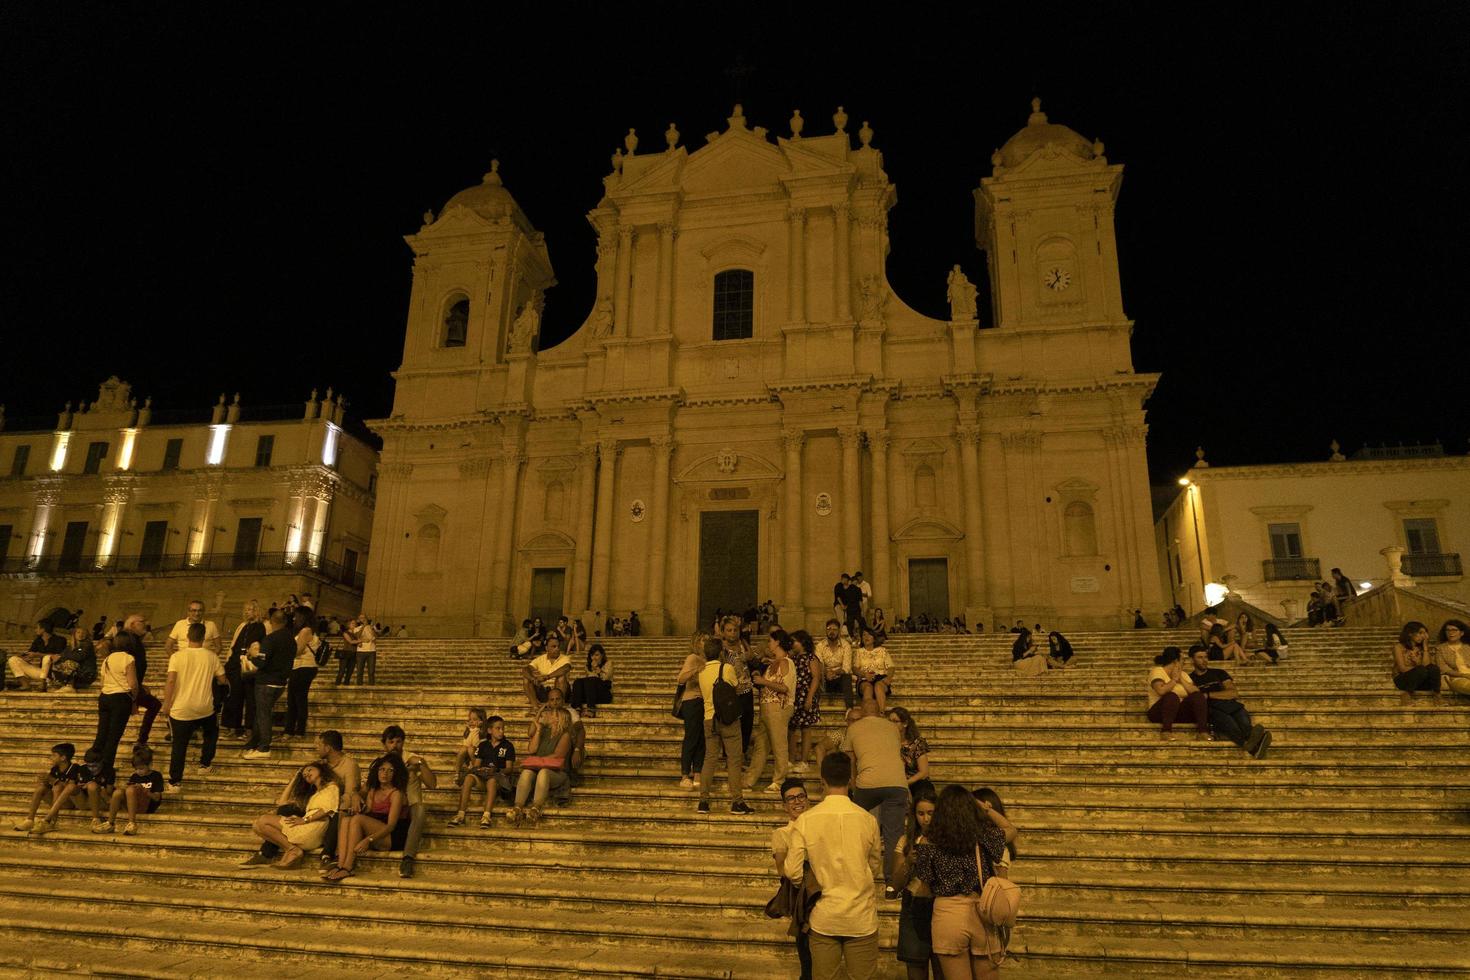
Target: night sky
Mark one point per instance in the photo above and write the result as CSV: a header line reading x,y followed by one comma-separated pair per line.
x,y
201,201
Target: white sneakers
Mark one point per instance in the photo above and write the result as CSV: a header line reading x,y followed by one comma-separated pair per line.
x,y
254,754
686,783
773,788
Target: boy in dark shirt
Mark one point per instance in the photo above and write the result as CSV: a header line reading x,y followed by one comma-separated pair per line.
x,y
96,780
142,794
1227,715
495,756
60,783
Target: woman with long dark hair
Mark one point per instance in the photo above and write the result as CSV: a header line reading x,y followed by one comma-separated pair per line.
x,y
1171,691
1414,669
303,671
1025,657
382,825
595,687
299,822
960,831
916,902
1058,651
913,748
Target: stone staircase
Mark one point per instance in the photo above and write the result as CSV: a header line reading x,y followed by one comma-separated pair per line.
x,y
1346,852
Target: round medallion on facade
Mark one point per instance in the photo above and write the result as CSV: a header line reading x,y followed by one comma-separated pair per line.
x,y
638,510
824,504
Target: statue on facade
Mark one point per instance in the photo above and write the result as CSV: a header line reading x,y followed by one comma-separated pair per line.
x,y
671,137
875,298
527,325
961,295
602,318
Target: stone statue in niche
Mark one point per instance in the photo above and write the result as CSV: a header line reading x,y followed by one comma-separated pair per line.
x,y
961,295
527,325
602,318
875,298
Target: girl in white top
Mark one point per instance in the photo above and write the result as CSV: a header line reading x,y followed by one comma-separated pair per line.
x,y
119,674
1171,691
303,672
874,670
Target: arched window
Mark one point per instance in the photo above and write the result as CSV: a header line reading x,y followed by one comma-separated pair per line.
x,y
734,314
925,493
556,503
1079,529
426,549
456,323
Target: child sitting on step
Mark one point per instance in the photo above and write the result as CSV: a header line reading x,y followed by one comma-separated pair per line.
x,y
59,784
474,732
494,757
142,794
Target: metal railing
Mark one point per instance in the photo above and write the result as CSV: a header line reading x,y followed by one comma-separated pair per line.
x,y
1430,565
264,561
1292,569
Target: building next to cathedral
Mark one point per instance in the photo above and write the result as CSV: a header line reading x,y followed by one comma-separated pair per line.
x,y
119,509
750,410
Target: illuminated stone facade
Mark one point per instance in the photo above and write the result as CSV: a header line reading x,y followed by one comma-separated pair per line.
x,y
115,510
746,357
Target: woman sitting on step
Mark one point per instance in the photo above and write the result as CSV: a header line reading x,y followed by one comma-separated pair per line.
x,y
299,822
378,827
873,668
1171,691
1058,651
594,687
544,767
1025,656
1414,669
1454,655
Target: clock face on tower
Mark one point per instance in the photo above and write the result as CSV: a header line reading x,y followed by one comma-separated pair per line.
x,y
1057,280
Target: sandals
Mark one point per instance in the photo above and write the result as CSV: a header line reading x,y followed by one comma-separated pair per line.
x,y
486,821
514,816
456,820
337,874
291,858
328,867
533,816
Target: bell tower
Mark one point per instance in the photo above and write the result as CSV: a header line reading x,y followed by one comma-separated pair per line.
x,y
1044,218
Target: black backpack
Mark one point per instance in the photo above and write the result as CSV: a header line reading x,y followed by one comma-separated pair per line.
x,y
727,699
323,652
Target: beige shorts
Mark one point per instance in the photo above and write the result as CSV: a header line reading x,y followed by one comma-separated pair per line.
x,y
956,928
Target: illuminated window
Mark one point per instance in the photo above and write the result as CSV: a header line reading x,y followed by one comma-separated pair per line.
x,y
19,462
456,323
734,309
218,434
58,451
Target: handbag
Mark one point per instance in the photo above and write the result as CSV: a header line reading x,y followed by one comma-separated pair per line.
x,y
323,653
998,906
678,700
544,762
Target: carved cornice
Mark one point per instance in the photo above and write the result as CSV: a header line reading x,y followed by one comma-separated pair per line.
x,y
476,467
388,472
673,396
1352,467
858,382
1024,440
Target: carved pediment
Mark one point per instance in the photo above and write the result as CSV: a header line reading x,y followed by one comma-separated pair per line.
x,y
928,529
549,541
556,467
1076,488
726,465
430,514
923,447
653,172
736,161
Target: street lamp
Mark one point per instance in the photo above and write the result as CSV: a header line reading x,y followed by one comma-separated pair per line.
x,y
1199,553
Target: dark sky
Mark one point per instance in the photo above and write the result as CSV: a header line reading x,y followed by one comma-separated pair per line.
x,y
202,201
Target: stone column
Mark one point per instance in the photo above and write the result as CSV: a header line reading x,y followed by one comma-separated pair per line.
x,y
510,473
621,269
602,532
655,619
792,573
852,499
968,435
880,576
841,280
796,265
665,277
320,521
582,556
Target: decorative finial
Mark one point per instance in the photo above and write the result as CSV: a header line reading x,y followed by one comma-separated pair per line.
x,y
995,158
1337,456
796,124
1199,457
1036,104
237,398
1037,116
493,177
631,141
737,117
221,398
429,217
865,135
617,161
1097,148
671,137
839,119
329,393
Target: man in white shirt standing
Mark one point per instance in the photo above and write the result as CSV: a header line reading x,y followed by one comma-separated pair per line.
x,y
180,632
188,701
840,839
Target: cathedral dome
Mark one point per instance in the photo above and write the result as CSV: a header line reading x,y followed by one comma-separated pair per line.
x,y
489,199
1038,134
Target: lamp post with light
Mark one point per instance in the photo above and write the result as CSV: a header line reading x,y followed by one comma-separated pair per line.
x,y
1199,553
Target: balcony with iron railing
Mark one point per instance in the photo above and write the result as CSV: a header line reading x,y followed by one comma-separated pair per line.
x,y
264,561
1432,565
1292,569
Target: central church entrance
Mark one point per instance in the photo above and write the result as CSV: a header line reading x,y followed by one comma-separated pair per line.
x,y
729,562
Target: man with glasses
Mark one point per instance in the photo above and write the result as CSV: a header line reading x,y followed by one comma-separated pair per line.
x,y
794,801
178,638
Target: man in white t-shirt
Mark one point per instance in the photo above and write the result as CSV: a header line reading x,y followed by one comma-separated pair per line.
x,y
547,671
867,591
180,631
188,701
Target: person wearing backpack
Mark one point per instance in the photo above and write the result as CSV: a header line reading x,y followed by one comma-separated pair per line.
x,y
717,683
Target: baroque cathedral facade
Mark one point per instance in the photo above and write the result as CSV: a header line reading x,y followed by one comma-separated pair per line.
x,y
750,410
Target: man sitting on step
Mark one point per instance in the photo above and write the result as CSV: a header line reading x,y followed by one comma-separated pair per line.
x,y
420,778
1228,716
547,671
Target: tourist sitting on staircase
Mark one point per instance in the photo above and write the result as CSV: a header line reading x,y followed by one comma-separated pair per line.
x,y
495,756
1228,716
544,768
1276,648
873,669
420,778
1454,656
383,824
595,686
1414,667
58,784
1170,691
302,818
835,652
470,738
75,668
547,673
142,794
1058,651
1026,657
35,664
